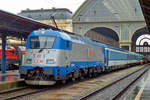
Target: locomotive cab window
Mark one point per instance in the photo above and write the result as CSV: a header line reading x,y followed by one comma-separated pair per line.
x,y
39,42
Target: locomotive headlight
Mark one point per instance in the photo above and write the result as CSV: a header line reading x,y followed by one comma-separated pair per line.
x,y
50,61
28,61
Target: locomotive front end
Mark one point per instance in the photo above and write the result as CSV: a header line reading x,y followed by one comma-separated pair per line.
x,y
44,56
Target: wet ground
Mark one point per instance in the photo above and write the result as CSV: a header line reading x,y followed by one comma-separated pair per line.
x,y
142,89
9,76
13,75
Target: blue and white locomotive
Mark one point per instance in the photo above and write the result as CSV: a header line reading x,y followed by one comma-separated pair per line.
x,y
56,56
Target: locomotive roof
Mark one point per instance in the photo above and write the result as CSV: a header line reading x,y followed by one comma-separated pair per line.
x,y
49,32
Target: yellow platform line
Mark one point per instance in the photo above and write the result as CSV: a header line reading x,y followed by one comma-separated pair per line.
x,y
142,89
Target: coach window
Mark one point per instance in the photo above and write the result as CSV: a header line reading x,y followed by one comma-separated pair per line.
x,y
8,48
67,44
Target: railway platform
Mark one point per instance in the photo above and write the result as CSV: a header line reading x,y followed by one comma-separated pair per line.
x,y
10,80
9,76
142,90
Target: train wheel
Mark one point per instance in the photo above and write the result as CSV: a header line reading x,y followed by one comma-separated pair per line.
x,y
82,74
95,72
90,75
98,69
73,79
81,77
90,72
63,81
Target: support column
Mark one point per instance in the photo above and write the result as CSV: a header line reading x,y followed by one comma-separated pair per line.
x,y
130,47
3,59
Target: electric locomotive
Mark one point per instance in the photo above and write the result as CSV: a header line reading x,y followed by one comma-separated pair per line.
x,y
53,56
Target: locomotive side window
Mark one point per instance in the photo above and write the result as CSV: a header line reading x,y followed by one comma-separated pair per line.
x,y
8,48
39,42
131,57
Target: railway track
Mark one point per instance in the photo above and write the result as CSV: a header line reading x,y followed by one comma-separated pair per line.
x,y
83,88
17,93
72,90
112,91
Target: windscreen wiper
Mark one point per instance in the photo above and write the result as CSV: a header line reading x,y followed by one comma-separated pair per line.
x,y
43,47
41,50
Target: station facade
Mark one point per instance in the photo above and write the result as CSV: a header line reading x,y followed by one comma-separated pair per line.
x,y
62,17
124,17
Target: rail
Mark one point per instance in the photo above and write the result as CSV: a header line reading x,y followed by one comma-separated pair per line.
x,y
117,93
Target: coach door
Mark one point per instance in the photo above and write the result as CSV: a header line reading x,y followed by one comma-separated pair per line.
x,y
106,57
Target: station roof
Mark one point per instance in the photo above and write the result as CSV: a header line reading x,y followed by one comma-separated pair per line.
x,y
145,5
18,26
45,14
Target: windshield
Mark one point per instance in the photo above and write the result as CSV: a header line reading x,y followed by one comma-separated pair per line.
x,y
41,42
